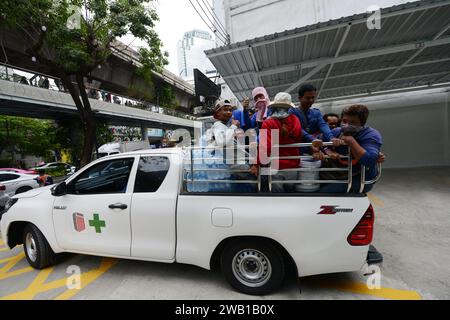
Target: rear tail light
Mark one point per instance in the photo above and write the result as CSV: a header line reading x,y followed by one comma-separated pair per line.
x,y
362,234
2,187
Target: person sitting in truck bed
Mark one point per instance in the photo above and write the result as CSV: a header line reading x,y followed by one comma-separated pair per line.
x,y
364,143
310,118
290,132
221,135
223,131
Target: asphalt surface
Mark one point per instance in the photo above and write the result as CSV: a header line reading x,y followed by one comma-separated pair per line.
x,y
412,232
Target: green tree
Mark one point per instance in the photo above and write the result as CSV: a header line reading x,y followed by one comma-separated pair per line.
x,y
73,37
26,136
68,135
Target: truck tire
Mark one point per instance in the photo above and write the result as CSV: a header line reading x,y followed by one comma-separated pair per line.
x,y
38,252
254,267
23,189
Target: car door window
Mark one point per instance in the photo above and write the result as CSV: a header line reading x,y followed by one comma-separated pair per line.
x,y
8,177
151,173
103,178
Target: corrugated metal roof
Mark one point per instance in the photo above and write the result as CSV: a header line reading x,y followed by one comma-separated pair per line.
x,y
343,57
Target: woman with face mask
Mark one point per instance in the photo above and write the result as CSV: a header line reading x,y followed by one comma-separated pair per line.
x,y
288,129
261,101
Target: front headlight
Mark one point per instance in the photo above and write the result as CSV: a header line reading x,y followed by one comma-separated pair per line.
x,y
10,203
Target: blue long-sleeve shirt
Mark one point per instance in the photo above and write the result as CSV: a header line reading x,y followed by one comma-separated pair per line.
x,y
370,140
244,119
313,124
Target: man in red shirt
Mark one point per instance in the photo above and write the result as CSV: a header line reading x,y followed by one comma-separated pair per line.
x,y
280,128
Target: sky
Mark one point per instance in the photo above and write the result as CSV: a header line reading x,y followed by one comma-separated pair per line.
x,y
176,17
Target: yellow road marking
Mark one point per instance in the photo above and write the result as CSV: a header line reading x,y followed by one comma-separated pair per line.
x,y
4,272
87,278
7,259
385,293
38,285
375,200
1,242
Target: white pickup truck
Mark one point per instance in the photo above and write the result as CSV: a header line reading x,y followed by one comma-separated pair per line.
x,y
137,206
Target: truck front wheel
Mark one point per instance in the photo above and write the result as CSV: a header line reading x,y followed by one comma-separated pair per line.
x,y
38,252
254,267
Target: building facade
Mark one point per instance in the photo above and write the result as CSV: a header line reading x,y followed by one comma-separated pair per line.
x,y
191,54
248,19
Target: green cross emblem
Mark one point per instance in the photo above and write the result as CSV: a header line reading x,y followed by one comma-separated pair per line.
x,y
97,223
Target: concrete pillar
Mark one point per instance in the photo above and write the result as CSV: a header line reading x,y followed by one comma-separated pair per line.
x,y
144,133
447,129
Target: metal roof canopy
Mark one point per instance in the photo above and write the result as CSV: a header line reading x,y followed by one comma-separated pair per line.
x,y
344,57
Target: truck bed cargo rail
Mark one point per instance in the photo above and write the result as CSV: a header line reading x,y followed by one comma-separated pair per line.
x,y
193,175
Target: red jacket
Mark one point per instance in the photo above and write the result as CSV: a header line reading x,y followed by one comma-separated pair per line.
x,y
294,135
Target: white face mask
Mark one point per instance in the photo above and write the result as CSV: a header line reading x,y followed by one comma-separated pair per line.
x,y
280,113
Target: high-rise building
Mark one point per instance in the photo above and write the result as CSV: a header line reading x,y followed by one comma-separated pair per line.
x,y
191,54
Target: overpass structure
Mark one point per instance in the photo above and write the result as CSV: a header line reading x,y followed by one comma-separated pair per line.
x,y
118,75
29,101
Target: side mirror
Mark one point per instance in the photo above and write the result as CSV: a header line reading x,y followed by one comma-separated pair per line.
x,y
60,189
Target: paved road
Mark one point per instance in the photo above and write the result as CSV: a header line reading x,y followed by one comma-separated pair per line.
x,y
411,231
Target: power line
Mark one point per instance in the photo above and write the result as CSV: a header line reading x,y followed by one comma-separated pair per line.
x,y
201,17
207,16
215,17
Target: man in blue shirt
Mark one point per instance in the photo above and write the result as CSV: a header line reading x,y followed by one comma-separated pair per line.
x,y
243,116
310,118
364,143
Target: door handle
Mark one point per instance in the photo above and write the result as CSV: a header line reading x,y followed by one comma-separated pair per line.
x,y
118,206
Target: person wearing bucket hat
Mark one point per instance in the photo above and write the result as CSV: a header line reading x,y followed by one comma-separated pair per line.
x,y
290,131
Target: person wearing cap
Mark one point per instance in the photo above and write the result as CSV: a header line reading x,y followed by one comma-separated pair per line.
x,y
222,132
290,132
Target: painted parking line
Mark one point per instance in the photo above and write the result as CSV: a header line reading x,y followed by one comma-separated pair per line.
x,y
375,200
12,261
39,284
88,277
361,288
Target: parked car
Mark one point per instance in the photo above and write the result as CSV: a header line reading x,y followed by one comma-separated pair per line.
x,y
16,183
19,170
56,166
136,206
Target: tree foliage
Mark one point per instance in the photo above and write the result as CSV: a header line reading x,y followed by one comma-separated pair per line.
x,y
26,136
73,37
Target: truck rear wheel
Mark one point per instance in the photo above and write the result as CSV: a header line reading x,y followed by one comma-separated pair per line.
x,y
254,267
38,252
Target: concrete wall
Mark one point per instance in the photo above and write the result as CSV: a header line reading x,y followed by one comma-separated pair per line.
x,y
247,19
414,126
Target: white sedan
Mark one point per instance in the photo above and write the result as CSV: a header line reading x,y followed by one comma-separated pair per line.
x,y
70,169
16,183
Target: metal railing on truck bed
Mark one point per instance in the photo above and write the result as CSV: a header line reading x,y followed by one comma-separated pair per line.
x,y
212,169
